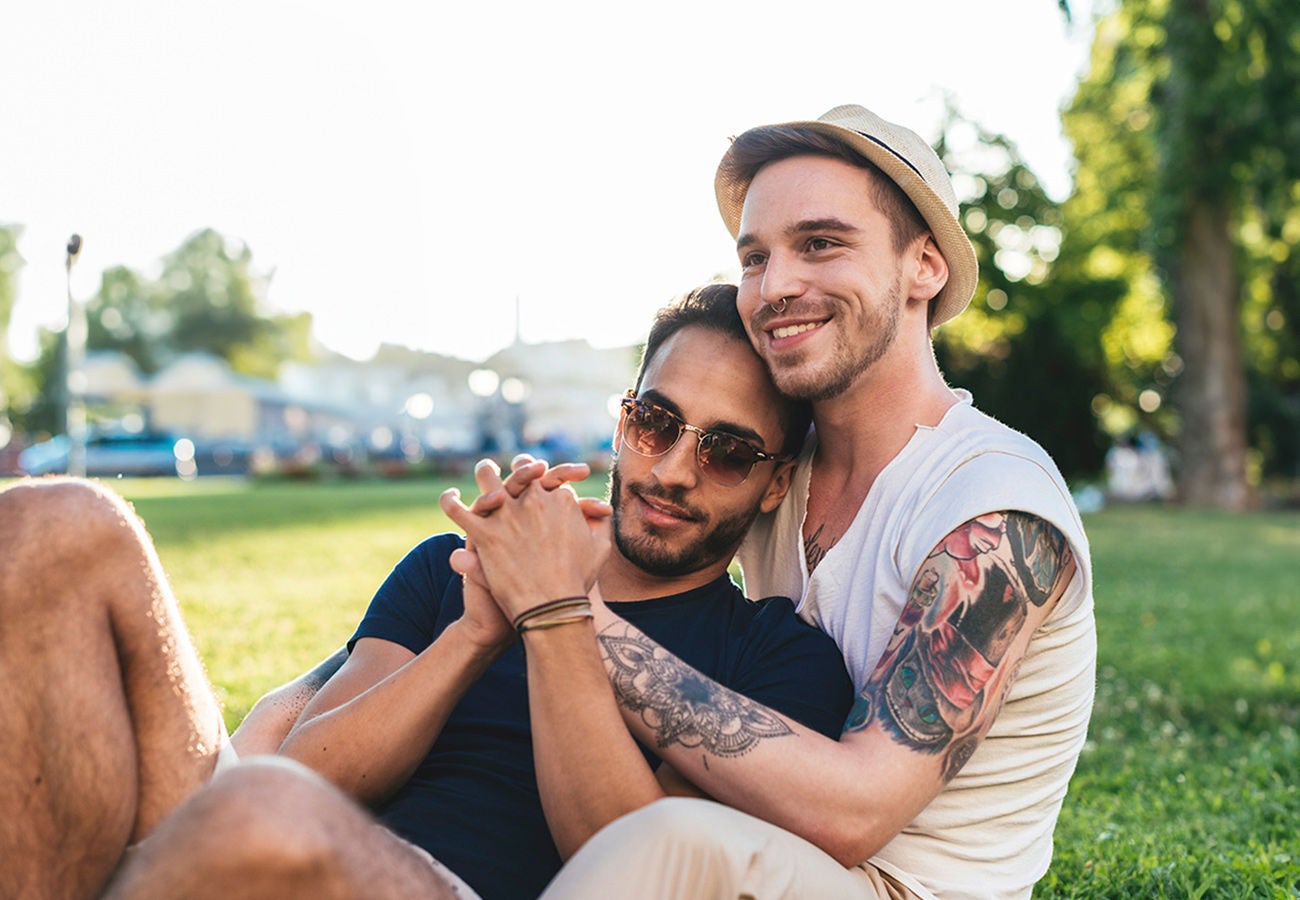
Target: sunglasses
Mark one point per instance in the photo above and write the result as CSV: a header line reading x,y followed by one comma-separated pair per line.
x,y
724,458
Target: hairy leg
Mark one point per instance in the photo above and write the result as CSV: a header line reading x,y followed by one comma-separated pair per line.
x,y
107,718
271,828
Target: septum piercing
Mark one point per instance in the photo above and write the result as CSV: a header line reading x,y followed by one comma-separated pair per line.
x,y
779,309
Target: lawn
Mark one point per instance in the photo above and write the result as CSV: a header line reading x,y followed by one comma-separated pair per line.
x,y
1188,786
1190,783
274,576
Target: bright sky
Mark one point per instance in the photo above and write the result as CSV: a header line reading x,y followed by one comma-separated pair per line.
x,y
409,170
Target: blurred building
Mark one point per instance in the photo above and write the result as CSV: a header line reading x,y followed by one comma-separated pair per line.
x,y
555,398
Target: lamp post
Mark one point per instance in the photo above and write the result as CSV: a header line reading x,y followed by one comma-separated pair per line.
x,y
74,376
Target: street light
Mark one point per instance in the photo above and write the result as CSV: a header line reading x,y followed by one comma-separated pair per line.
x,y
74,376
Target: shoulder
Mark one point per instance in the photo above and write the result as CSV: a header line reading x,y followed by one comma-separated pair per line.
x,y
419,594
429,561
437,547
772,623
988,467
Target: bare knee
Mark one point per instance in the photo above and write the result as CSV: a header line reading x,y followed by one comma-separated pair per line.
x,y
50,515
274,816
58,495
270,826
60,532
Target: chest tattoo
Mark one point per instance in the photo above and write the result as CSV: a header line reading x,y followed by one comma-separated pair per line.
x,y
814,551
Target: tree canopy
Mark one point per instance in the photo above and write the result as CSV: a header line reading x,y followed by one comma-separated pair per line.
x,y
1187,133
15,384
208,297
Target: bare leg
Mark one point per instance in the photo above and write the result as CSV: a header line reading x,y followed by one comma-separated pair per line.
x,y
273,829
107,718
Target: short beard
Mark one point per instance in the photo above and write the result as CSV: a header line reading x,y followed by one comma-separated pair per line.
x,y
844,369
654,556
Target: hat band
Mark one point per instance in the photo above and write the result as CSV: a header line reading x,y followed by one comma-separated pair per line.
x,y
901,158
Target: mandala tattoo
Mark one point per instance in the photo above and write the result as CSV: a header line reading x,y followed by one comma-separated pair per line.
x,y
681,706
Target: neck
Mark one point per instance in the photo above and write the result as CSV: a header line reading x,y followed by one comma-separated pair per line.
x,y
860,430
621,581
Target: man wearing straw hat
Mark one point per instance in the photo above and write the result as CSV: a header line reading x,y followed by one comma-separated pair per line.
x,y
940,549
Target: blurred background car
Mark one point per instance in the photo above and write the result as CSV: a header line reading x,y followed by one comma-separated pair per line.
x,y
110,454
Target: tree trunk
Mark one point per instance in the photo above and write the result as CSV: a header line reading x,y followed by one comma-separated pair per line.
x,y
1212,394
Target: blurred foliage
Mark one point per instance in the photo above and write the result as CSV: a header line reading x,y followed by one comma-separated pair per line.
x,y
16,387
10,263
1073,332
1190,112
1026,326
208,298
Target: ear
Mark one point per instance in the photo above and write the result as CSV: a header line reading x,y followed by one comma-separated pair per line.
x,y
929,269
617,443
777,487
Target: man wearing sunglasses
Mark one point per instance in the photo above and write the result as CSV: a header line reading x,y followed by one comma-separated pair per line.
x,y
111,730
939,548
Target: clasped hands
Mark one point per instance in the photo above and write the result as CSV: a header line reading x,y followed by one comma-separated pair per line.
x,y
530,539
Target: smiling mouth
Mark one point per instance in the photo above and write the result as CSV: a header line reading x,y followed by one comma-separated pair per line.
x,y
659,507
786,331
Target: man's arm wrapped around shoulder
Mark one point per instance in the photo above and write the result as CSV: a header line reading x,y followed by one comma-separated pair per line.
x,y
936,691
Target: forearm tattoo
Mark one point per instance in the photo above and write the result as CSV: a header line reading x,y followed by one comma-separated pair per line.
x,y
943,665
678,704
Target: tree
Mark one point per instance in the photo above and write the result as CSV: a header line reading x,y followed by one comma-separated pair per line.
x,y
1187,130
212,299
127,315
1028,348
208,298
15,386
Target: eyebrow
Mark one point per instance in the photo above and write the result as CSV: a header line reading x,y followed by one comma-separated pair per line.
x,y
732,428
806,226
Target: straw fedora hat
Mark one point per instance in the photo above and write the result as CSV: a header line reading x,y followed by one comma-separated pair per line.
x,y
913,165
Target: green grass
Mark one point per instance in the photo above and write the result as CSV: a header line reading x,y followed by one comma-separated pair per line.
x,y
274,576
1187,788
1190,783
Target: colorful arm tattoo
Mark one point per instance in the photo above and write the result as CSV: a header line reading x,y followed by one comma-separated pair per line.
x,y
967,605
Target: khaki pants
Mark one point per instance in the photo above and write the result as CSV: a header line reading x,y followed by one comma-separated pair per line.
x,y
697,849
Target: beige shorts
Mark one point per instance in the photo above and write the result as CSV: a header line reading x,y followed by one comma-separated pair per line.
x,y
683,847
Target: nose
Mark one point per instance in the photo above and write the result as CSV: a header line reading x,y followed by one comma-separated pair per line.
x,y
782,277
677,466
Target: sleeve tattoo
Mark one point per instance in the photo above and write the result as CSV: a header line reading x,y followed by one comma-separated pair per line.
x,y
966,607
678,704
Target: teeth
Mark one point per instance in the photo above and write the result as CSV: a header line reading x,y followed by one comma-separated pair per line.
x,y
791,330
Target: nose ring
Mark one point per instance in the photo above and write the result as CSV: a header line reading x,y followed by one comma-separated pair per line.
x,y
781,307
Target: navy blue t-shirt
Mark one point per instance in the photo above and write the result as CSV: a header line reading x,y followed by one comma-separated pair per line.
x,y
473,801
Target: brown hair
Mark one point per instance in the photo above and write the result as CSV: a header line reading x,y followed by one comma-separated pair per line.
x,y
713,306
759,147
